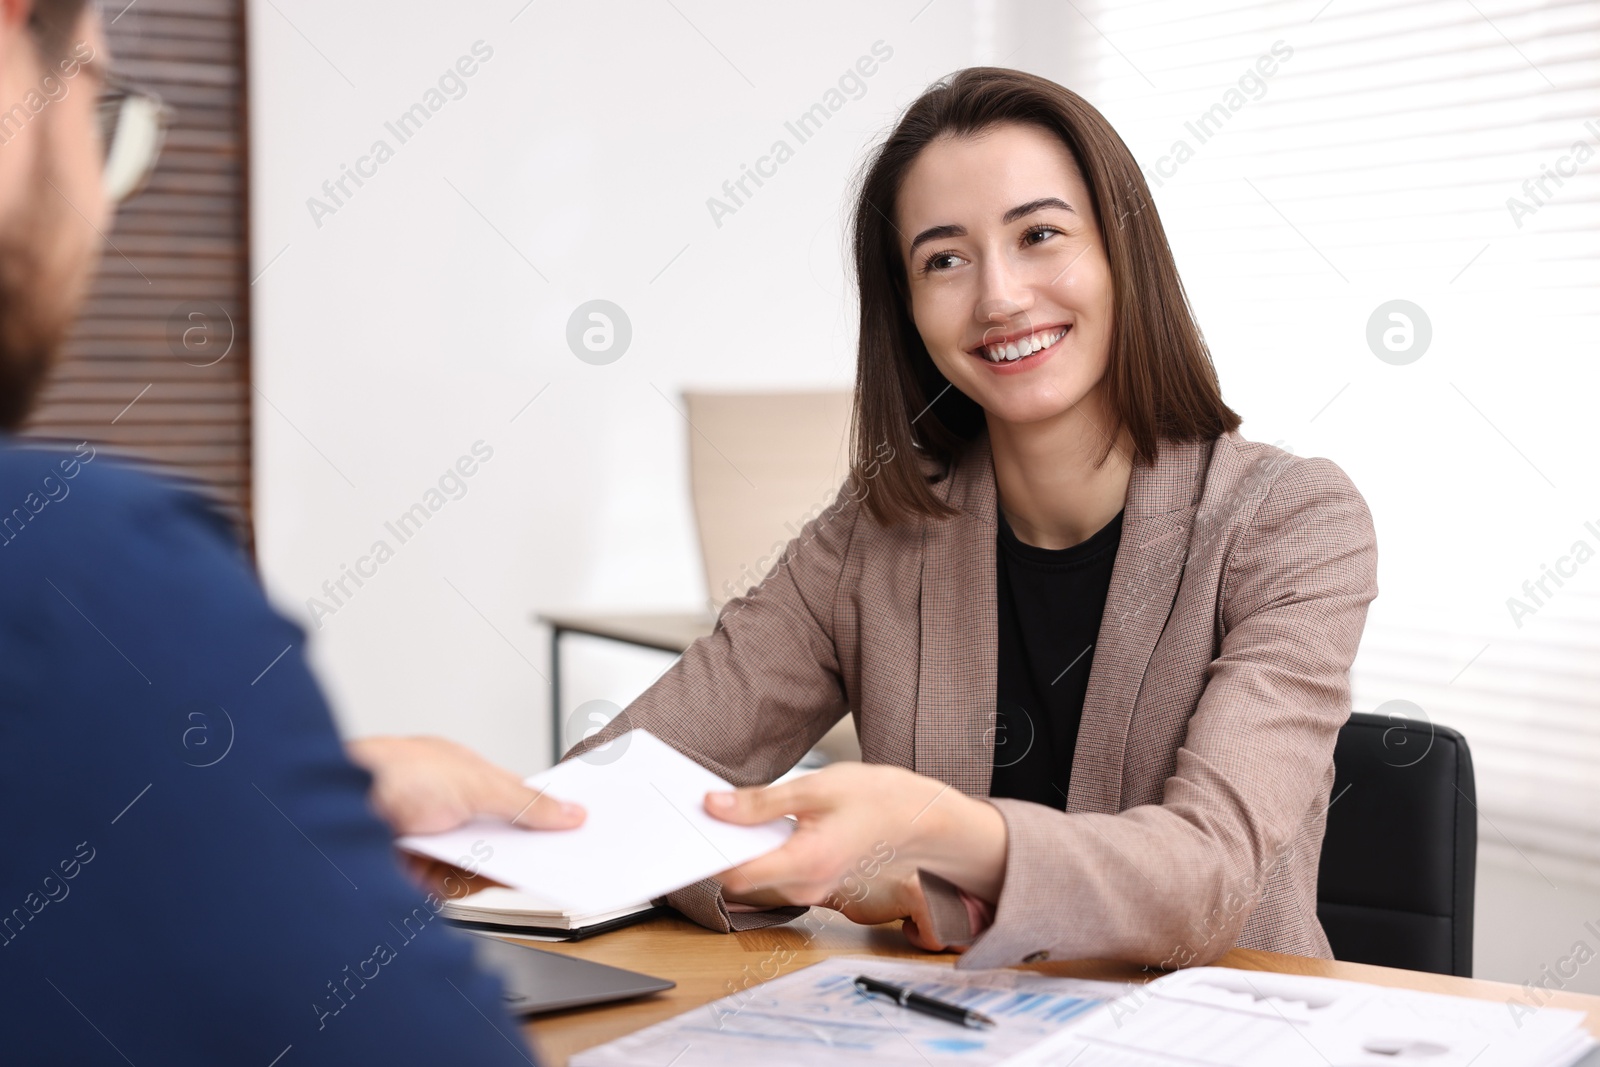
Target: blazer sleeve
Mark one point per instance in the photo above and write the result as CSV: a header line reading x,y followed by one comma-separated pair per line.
x,y
752,697
1139,884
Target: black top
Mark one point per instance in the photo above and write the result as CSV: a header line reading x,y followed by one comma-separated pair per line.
x,y
1050,603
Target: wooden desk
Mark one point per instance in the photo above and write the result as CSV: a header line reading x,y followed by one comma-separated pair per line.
x,y
707,966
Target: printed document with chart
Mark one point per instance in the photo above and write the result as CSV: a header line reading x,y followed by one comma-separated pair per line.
x,y
1234,1018
815,1018
1206,1017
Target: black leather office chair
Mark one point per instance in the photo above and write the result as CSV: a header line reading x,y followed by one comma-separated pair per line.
x,y
1401,851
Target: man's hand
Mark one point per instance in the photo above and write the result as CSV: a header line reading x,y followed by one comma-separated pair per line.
x,y
424,785
444,880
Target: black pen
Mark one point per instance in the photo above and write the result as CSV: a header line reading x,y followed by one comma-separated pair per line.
x,y
939,1009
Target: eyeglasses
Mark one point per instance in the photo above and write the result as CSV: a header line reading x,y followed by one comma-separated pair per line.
x,y
133,125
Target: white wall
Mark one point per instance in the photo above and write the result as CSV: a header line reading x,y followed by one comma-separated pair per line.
x,y
425,313
407,326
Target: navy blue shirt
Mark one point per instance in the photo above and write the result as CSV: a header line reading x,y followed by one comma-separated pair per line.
x,y
189,871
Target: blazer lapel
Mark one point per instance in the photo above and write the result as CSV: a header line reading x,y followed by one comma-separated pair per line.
x,y
1156,526
956,674
958,661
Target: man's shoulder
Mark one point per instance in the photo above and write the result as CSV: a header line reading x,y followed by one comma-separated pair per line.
x,y
59,495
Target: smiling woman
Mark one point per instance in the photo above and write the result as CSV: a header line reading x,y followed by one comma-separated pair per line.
x,y
1096,644
993,143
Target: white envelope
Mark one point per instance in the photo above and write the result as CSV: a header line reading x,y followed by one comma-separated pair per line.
x,y
647,831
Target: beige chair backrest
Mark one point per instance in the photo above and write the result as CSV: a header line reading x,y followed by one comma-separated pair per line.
x,y
761,465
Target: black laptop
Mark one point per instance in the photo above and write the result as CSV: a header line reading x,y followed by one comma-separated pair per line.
x,y
536,980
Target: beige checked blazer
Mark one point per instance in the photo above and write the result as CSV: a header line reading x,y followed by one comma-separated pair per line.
x,y
1201,779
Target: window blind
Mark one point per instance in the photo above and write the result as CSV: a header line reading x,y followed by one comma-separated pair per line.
x,y
1313,162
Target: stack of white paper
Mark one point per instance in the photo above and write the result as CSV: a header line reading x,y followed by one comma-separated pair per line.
x,y
647,832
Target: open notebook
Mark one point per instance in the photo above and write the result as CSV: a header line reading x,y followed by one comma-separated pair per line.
x,y
509,911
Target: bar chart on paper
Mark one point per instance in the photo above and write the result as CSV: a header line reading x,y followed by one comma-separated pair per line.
x,y
816,1018
1220,1017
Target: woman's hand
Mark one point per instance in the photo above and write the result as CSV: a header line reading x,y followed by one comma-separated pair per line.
x,y
896,894
424,785
855,822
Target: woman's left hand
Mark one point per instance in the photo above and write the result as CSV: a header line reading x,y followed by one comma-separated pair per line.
x,y
855,820
896,894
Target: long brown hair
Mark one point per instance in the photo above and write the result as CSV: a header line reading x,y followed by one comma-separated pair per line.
x,y
1160,380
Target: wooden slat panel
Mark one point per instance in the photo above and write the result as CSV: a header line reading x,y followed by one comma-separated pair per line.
x,y
131,403
179,277
123,382
119,368
155,352
177,28
221,11
165,424
115,300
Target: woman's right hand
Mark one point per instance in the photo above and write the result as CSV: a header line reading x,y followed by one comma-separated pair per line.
x,y
425,785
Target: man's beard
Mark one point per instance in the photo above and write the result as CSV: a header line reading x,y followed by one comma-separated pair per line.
x,y
35,312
